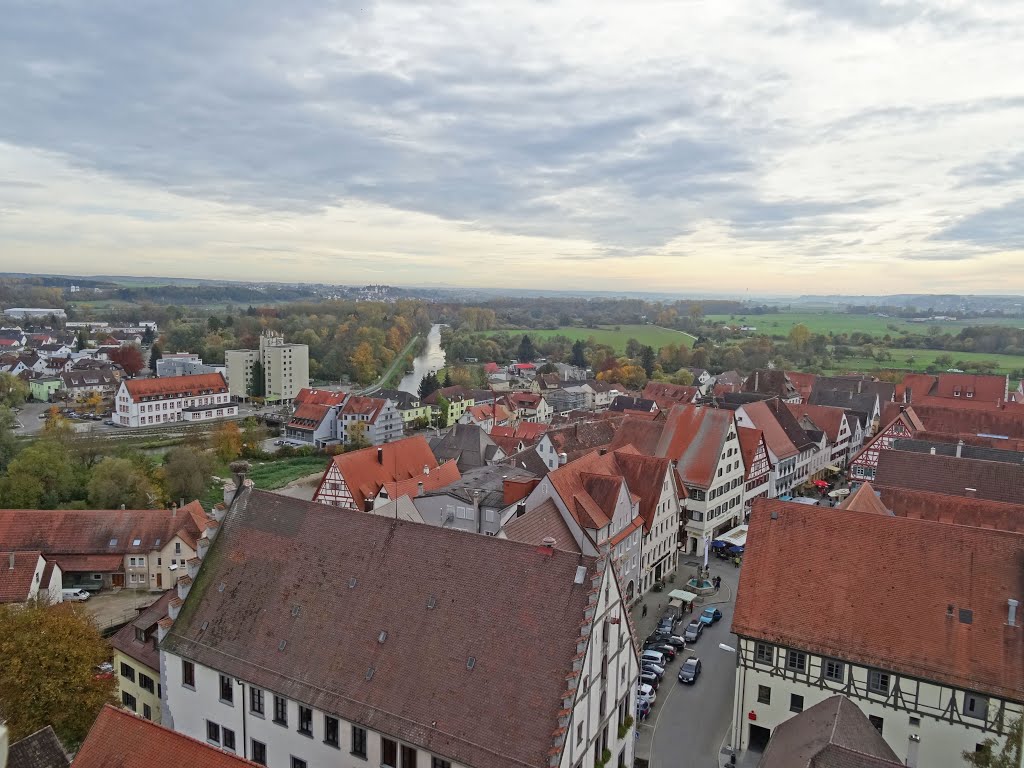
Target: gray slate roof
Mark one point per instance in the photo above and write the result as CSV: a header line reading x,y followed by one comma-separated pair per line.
x,y
40,750
468,445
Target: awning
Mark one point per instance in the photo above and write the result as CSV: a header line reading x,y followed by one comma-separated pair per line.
x,y
682,595
833,468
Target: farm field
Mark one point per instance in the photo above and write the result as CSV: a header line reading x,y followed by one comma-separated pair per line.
x,y
645,334
925,358
779,324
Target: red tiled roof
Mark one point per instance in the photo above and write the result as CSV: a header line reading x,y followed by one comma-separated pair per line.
x,y
950,475
309,415
364,406
694,436
644,476
16,582
917,385
823,417
444,475
120,739
365,475
176,386
1003,444
86,563
144,652
1008,422
579,438
990,388
774,435
63,532
956,510
865,500
309,396
666,395
799,589
538,524
642,434
803,382
461,602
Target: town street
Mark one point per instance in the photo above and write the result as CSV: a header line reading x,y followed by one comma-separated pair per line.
x,y
688,725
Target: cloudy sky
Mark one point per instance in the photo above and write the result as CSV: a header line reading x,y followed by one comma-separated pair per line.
x,y
761,146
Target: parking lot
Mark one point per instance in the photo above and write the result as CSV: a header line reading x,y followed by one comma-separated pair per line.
x,y
689,723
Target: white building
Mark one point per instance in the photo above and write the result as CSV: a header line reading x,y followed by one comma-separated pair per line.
x,y
265,685
185,364
915,621
285,369
27,575
35,312
141,402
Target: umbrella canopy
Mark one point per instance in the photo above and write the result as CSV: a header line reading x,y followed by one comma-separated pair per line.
x,y
719,544
821,483
735,550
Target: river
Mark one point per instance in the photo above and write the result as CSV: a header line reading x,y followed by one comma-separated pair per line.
x,y
432,359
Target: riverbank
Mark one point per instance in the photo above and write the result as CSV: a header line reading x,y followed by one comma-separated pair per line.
x,y
399,364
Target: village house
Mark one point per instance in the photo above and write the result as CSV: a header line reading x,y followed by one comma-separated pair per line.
x,y
487,416
598,395
141,402
951,475
773,383
459,401
370,419
409,406
78,386
99,548
792,452
835,423
935,685
229,669
866,405
26,575
357,479
468,446
561,445
315,418
137,659
758,466
529,406
864,464
475,501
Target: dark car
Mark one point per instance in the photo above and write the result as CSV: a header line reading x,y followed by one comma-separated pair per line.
x,y
693,631
690,671
668,650
650,678
710,615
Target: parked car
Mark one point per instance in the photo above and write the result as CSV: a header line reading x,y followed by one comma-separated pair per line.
x,y
646,693
104,671
693,631
665,648
656,656
650,666
710,615
74,595
666,624
650,679
690,671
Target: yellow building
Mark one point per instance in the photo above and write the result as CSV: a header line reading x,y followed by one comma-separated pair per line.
x,y
137,660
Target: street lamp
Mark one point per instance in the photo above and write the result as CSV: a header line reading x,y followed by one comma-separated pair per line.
x,y
728,648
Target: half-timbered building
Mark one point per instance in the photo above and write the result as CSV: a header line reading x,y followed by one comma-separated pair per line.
x,y
864,464
915,621
759,466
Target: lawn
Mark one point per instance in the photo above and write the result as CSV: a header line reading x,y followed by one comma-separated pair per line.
x,y
270,475
645,334
925,358
779,324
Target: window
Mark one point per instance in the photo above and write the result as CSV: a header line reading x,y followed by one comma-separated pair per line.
x,y
764,694
128,700
358,741
227,691
579,731
188,674
146,683
876,721
127,671
331,730
280,710
408,757
437,762
878,682
177,547
305,721
796,703
298,762
259,752
914,721
975,706
764,652
229,739
147,711
212,732
256,700
835,670
796,660
388,752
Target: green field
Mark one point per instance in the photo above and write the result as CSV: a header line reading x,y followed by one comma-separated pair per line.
x,y
779,324
271,475
645,334
925,358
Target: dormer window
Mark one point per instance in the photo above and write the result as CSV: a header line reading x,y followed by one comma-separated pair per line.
x,y
956,391
970,393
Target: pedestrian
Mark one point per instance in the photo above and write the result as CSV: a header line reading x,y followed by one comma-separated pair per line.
x,y
644,611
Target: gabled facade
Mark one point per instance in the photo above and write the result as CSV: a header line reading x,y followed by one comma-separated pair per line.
x,y
758,465
137,660
27,575
143,402
864,464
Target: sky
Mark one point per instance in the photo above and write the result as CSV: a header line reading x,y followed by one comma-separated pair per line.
x,y
748,147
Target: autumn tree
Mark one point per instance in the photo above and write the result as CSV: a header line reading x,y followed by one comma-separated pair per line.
x,y
356,433
48,676
94,402
799,335
40,477
633,349
8,446
115,481
1007,757
443,409
128,357
364,364
13,391
253,434
186,472
227,441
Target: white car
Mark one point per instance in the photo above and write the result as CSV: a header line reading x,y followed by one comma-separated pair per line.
x,y
74,595
646,693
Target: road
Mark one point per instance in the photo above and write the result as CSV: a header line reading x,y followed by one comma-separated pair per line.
x,y
689,723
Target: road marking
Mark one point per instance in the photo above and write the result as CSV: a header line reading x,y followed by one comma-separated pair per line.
x,y
654,728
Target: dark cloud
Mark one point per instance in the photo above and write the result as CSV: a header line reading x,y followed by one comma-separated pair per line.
x,y
1001,228
992,173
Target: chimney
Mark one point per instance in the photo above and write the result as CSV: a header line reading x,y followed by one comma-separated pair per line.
x,y
547,545
757,380
11,561
239,469
1011,614
562,459
122,506
600,452
971,492
202,547
932,450
368,504
520,510
426,469
860,383
419,488
380,455
959,448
